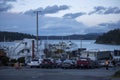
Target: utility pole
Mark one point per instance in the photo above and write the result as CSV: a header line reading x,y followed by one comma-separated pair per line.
x,y
81,44
37,29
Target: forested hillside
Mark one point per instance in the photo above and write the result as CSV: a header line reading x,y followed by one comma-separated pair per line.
x,y
11,36
111,37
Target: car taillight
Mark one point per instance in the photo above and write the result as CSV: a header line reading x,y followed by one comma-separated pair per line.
x,y
51,63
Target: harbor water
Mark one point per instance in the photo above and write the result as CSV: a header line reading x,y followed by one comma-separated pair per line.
x,y
88,44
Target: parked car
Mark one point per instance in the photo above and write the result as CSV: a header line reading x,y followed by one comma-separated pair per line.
x,y
118,63
68,64
34,63
101,63
48,63
86,63
58,63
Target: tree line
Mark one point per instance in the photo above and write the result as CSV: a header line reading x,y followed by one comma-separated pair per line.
x,y
111,37
11,36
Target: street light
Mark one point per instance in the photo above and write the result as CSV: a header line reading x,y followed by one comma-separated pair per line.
x,y
37,29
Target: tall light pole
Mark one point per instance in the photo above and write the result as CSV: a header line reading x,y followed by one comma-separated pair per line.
x,y
37,29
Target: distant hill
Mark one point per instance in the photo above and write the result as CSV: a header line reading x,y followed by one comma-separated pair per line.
x,y
11,36
90,36
111,37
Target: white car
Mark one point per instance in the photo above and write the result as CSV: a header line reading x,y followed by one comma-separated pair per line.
x,y
101,63
34,63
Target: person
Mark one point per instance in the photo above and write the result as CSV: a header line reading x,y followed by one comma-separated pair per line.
x,y
20,65
16,65
107,64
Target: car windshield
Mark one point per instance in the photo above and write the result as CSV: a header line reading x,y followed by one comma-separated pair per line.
x,y
34,60
46,60
83,59
67,61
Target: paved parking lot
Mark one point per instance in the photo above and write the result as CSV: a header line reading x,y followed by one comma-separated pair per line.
x,y
26,73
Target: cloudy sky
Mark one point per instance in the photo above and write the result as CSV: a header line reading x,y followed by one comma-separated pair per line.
x,y
60,17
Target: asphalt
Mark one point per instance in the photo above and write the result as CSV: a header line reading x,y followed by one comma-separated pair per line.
x,y
26,73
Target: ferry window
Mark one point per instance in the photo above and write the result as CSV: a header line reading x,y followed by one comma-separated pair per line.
x,y
28,50
118,53
115,54
22,51
25,43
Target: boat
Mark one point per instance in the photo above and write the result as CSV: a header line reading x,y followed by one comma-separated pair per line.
x,y
26,48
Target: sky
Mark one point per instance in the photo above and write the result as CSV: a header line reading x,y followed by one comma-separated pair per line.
x,y
60,17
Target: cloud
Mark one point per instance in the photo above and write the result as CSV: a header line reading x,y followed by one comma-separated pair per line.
x,y
111,25
4,6
104,10
104,27
47,25
48,9
15,22
73,15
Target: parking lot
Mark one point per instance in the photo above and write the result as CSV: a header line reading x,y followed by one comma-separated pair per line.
x,y
27,73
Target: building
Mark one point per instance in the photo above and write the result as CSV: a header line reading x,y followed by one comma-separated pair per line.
x,y
116,55
26,48
96,54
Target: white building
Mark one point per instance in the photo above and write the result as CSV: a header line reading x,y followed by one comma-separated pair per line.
x,y
23,48
116,55
96,54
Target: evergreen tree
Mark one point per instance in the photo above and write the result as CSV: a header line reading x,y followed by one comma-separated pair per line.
x,y
111,37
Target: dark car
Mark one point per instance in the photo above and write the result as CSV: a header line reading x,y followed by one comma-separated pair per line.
x,y
58,63
68,64
86,63
48,63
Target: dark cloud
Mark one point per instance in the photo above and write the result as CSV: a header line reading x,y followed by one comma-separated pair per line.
x,y
97,29
48,10
111,25
4,6
104,27
73,15
47,25
104,10
98,10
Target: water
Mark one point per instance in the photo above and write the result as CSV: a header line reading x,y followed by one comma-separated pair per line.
x,y
88,44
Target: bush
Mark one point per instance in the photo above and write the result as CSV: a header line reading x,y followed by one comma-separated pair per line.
x,y
13,60
4,60
21,60
117,74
